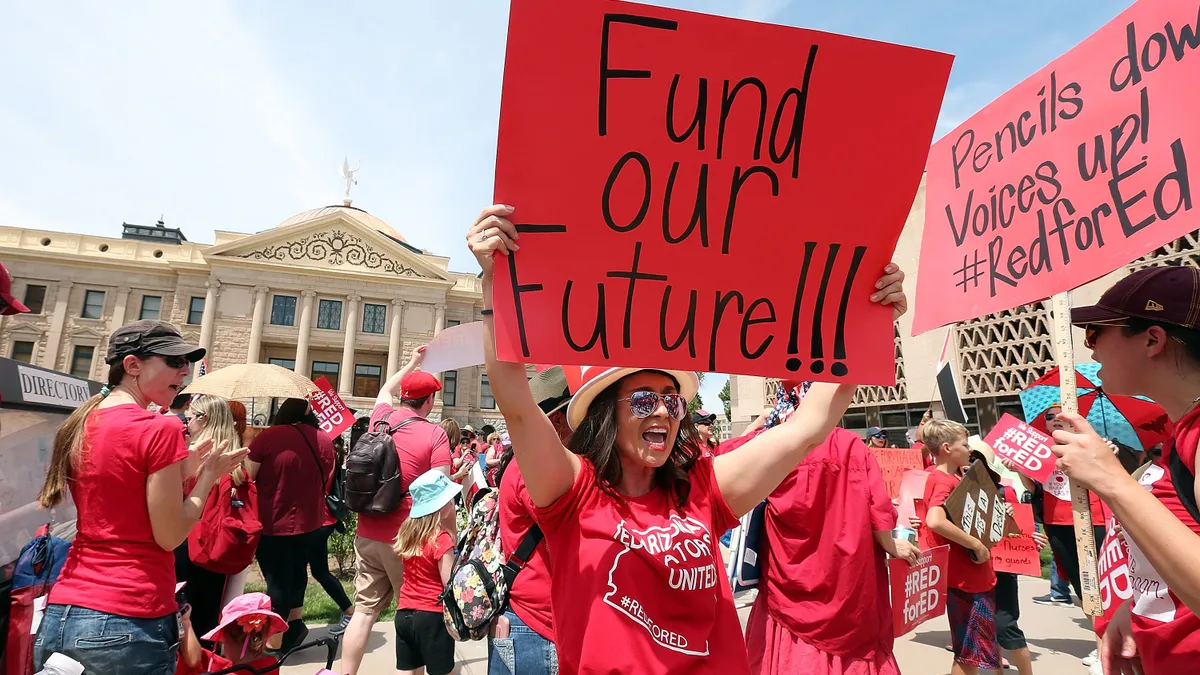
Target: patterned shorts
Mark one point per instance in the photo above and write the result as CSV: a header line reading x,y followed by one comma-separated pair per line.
x,y
973,628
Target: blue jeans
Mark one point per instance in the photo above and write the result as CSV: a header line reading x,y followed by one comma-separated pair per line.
x,y
107,643
523,652
1060,588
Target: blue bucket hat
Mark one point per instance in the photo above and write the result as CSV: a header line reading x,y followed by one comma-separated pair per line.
x,y
430,492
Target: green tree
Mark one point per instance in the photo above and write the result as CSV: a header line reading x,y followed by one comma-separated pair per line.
x,y
724,396
695,404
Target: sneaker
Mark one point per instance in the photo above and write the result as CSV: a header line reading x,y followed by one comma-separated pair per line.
x,y
1091,659
339,627
1096,669
1051,600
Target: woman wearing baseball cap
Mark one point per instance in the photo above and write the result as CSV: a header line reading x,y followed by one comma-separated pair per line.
x,y
631,521
1145,333
113,608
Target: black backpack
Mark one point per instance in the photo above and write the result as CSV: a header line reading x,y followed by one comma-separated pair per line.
x,y
373,483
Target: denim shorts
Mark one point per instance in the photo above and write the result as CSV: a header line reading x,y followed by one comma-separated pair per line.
x,y
523,652
108,643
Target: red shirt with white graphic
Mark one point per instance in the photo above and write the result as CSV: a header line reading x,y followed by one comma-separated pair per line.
x,y
639,584
1166,631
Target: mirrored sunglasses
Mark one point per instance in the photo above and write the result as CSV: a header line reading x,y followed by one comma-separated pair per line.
x,y
644,403
879,435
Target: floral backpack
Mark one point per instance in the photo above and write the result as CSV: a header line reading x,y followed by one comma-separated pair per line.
x,y
478,588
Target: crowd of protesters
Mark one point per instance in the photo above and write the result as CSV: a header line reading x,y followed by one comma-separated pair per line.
x,y
625,495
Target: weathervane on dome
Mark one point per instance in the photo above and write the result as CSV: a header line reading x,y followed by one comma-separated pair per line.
x,y
348,176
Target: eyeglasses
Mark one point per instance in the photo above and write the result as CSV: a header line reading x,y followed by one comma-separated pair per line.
x,y
1050,416
1092,331
644,403
175,362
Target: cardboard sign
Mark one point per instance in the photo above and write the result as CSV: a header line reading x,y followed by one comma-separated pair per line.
x,y
333,415
918,591
1069,175
894,462
1027,447
1116,584
689,190
912,488
1019,554
977,507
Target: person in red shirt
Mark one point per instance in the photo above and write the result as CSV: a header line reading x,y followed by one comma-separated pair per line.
x,y
247,623
632,511
524,640
426,544
114,609
422,445
1145,333
823,601
971,597
292,464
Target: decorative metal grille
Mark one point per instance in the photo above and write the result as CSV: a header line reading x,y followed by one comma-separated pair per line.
x,y
1184,251
1003,353
865,395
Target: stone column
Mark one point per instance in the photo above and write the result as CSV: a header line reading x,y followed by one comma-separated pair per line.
x,y
57,321
208,320
261,294
394,342
118,316
439,318
346,375
306,310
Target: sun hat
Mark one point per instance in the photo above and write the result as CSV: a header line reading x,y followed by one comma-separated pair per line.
x,y
979,445
8,303
1167,295
250,611
550,389
598,378
150,338
430,492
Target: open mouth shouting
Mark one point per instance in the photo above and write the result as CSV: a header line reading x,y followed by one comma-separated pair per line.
x,y
656,438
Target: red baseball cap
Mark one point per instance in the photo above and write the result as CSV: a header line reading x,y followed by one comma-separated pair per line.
x,y
8,303
1166,295
418,384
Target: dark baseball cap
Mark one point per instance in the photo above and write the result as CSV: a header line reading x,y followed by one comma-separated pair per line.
x,y
702,417
1166,295
876,431
150,338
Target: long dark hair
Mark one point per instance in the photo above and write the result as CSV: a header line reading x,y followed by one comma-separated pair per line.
x,y
293,411
596,440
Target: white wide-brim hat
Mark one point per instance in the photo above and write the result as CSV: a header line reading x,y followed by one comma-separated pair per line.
x,y
598,378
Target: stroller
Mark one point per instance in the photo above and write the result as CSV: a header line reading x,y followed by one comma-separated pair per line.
x,y
330,644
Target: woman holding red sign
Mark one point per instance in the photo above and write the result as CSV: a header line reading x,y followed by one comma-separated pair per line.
x,y
632,520
1145,333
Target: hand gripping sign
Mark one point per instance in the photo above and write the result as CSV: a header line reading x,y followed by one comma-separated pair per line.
x,y
1027,447
918,591
689,190
1069,175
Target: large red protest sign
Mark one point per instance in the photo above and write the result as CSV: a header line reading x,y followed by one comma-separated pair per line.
x,y
894,462
918,591
1069,175
1116,584
703,193
1027,447
1019,554
333,415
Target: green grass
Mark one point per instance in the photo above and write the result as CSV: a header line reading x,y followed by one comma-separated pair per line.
x,y
1046,556
318,607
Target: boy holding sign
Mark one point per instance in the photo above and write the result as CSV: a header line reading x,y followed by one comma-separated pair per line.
x,y
971,598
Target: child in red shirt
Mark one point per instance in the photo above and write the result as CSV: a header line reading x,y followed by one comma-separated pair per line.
x,y
971,601
246,623
426,543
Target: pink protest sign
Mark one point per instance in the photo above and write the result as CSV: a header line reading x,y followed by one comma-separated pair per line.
x,y
333,415
1027,447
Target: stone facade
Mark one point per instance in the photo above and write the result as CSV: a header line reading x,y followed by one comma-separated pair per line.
x,y
224,296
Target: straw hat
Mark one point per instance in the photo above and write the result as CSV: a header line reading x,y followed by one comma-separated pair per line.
x,y
598,378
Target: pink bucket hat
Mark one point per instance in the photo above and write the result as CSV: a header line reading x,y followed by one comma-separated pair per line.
x,y
248,611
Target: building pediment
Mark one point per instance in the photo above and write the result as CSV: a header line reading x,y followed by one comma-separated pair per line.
x,y
331,242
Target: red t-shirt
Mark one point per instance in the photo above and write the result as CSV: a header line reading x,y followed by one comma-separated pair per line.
x,y
639,585
1166,631
964,573
422,577
291,484
210,663
115,566
1057,511
530,595
825,578
422,446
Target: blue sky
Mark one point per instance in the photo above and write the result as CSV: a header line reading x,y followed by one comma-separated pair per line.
x,y
235,115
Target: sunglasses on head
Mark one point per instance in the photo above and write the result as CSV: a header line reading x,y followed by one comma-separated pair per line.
x,y
644,403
